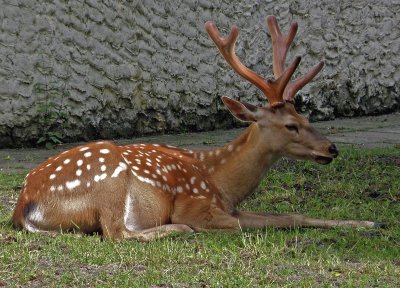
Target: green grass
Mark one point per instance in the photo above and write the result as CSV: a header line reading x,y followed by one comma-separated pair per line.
x,y
360,184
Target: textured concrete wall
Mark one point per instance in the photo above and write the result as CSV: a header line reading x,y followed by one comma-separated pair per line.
x,y
123,68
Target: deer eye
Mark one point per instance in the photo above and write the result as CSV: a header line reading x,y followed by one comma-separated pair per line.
x,y
292,127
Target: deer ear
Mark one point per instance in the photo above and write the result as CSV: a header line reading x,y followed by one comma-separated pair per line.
x,y
243,111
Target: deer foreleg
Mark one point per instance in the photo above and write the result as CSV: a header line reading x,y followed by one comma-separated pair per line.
x,y
263,220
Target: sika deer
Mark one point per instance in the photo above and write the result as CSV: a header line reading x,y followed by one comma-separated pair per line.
x,y
147,191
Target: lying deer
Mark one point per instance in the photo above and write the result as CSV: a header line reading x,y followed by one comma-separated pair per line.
x,y
147,191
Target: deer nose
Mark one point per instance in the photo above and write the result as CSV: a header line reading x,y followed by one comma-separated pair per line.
x,y
333,150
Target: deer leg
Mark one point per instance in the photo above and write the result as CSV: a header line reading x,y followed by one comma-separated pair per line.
x,y
154,233
262,220
215,220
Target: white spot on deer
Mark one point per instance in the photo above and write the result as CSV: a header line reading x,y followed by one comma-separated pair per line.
x,y
201,156
223,161
187,186
164,178
146,180
48,165
84,149
104,151
230,148
88,167
195,190
138,161
88,184
135,168
52,176
166,187
66,161
203,185
192,180
98,178
179,189
129,216
217,152
52,188
146,171
73,184
87,154
79,162
121,167
60,188
125,153
211,169
103,168
78,172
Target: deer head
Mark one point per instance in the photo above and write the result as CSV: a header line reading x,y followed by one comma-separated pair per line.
x,y
292,134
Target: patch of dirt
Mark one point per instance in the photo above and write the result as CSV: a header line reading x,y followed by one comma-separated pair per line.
x,y
302,244
7,239
88,272
7,200
180,285
387,160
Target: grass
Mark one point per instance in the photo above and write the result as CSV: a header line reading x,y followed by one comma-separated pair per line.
x,y
360,184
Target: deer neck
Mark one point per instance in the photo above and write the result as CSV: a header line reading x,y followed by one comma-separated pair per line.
x,y
238,167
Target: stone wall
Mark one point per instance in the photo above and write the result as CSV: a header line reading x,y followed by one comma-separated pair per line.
x,y
109,69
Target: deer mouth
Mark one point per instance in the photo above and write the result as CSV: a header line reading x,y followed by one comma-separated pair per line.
x,y
321,159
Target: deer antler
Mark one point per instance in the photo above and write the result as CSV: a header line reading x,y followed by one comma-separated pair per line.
x,y
277,91
272,89
280,46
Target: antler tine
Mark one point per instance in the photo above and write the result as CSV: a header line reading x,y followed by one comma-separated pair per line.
x,y
296,85
280,44
226,46
282,82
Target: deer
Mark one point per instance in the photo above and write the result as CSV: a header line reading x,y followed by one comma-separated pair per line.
x,y
148,191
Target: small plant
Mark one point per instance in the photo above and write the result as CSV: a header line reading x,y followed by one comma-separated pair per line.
x,y
53,117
